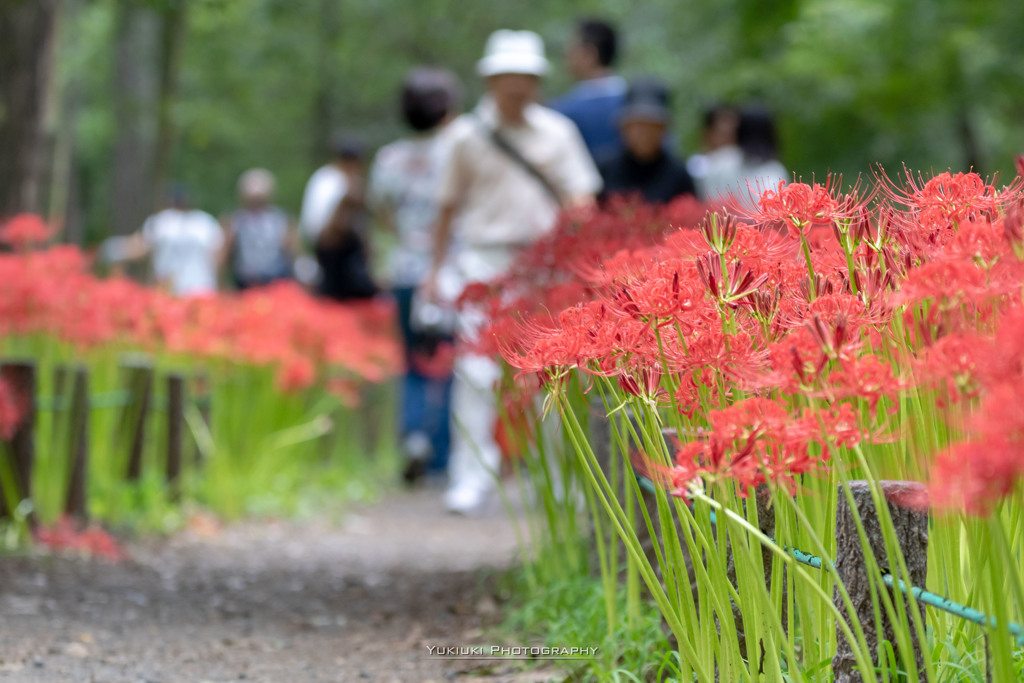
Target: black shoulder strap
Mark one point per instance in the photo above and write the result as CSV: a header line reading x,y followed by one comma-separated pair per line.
x,y
509,150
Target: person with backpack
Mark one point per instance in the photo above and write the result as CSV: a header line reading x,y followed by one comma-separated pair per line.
x,y
335,223
514,165
259,234
403,194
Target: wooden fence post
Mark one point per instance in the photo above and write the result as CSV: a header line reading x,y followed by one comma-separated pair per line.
x,y
140,383
175,420
59,403
21,377
911,527
76,504
202,393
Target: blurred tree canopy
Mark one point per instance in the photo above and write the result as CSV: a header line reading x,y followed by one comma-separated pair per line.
x,y
200,90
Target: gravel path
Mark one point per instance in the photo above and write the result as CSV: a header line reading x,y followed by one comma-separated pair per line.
x,y
268,601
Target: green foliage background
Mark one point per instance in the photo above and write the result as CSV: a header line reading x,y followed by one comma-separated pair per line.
x,y
853,82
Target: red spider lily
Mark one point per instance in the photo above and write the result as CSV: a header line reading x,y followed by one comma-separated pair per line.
x,y
719,231
24,231
839,425
296,373
945,198
753,442
346,391
798,206
10,411
645,382
974,476
687,395
665,291
1013,227
679,479
951,362
948,283
731,286
919,293
52,292
831,338
92,540
517,425
868,378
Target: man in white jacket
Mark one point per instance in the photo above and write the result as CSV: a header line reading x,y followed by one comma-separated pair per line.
x,y
514,165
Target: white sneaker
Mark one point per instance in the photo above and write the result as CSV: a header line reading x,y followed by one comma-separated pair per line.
x,y
465,501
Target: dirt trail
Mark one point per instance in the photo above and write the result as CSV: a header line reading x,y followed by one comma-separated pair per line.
x,y
268,601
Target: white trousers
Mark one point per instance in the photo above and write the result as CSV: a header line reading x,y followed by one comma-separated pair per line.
x,y
475,456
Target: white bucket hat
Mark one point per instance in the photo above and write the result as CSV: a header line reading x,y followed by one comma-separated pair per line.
x,y
257,182
513,52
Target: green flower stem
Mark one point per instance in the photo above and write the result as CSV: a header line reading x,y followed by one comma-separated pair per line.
x,y
799,571
596,478
812,287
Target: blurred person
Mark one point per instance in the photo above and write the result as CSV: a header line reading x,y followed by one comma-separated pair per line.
x,y
186,246
757,167
259,234
335,223
594,103
720,156
644,165
513,166
404,192
757,136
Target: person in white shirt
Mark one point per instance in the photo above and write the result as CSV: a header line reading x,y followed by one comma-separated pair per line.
x,y
334,223
323,193
186,246
513,166
404,192
717,164
746,168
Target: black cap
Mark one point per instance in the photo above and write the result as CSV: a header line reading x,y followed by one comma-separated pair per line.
x,y
646,99
348,147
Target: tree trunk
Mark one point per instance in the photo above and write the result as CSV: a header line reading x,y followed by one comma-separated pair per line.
x,y
325,106
26,44
969,140
135,95
172,40
64,101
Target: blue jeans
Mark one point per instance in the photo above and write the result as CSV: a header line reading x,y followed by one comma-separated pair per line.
x,y
426,401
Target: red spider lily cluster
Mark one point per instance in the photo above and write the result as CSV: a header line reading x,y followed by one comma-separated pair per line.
x,y
53,292
24,230
10,411
788,332
65,535
565,267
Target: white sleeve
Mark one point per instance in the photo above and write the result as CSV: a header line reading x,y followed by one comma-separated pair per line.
x,y
578,175
306,214
148,230
323,193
